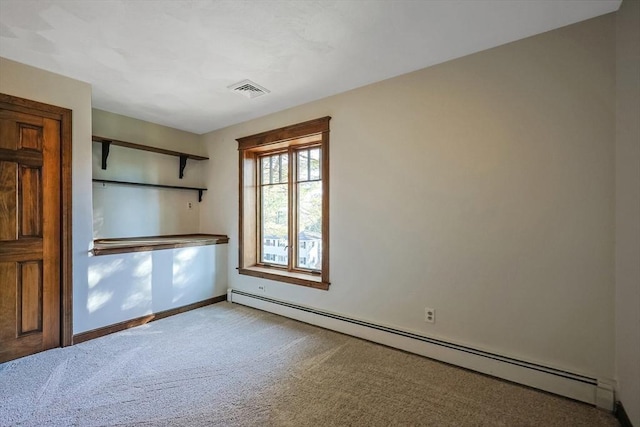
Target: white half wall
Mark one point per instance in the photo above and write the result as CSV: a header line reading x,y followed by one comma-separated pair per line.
x,y
482,187
130,285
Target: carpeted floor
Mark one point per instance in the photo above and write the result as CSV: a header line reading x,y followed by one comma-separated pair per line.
x,y
229,365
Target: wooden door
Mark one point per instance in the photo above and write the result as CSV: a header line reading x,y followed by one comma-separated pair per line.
x,y
30,232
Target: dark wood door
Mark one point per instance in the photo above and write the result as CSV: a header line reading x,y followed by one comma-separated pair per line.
x,y
30,224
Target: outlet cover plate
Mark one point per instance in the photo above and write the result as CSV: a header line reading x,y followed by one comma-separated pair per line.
x,y
430,315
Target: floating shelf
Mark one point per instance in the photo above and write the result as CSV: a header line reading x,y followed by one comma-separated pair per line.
x,y
108,142
142,184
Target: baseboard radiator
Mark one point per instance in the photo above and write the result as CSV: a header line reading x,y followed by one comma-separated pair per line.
x,y
575,386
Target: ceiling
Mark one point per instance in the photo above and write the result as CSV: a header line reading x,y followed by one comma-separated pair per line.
x,y
170,62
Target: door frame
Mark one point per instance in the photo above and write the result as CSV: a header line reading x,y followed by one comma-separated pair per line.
x,y
64,115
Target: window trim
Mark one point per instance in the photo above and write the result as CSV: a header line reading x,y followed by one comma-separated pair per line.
x,y
250,149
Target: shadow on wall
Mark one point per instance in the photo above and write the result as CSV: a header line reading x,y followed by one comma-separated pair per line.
x,y
126,286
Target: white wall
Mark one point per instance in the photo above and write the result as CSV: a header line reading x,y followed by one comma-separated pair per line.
x,y
39,85
628,208
482,187
128,211
126,286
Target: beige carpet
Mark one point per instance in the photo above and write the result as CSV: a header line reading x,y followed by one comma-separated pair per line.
x,y
228,365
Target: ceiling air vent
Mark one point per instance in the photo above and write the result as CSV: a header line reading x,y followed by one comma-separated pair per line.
x,y
249,89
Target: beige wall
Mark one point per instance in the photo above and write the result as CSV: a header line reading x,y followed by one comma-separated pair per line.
x,y
128,211
39,85
628,208
482,187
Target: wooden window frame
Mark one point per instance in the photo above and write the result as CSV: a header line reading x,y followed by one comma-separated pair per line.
x,y
251,149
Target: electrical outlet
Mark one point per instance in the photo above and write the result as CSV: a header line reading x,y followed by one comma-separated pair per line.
x,y
190,205
430,315
262,288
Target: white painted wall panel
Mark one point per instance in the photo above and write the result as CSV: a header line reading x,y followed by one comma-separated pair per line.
x,y
130,285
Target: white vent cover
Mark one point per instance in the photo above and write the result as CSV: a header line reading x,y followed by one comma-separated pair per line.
x,y
249,89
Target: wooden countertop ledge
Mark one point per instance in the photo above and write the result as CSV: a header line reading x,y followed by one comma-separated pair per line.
x,y
154,243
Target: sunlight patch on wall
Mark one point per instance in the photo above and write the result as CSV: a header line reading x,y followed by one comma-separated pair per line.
x,y
145,264
139,296
140,288
185,255
97,272
98,299
177,297
98,221
182,266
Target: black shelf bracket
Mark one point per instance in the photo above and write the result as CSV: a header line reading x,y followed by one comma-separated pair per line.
x,y
200,195
183,164
105,153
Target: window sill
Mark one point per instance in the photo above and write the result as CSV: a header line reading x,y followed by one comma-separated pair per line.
x,y
286,276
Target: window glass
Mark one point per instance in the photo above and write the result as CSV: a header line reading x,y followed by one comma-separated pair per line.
x,y
309,209
274,208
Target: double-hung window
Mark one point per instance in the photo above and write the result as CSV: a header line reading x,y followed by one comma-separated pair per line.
x,y
284,198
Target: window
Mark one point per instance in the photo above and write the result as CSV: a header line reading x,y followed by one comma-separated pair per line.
x,y
284,204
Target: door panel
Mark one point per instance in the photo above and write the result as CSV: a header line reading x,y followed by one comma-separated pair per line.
x,y
30,247
31,202
30,137
8,201
29,297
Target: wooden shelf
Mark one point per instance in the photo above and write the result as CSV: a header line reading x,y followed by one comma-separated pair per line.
x,y
143,184
108,142
153,243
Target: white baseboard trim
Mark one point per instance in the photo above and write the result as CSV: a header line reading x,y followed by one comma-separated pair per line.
x,y
575,386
